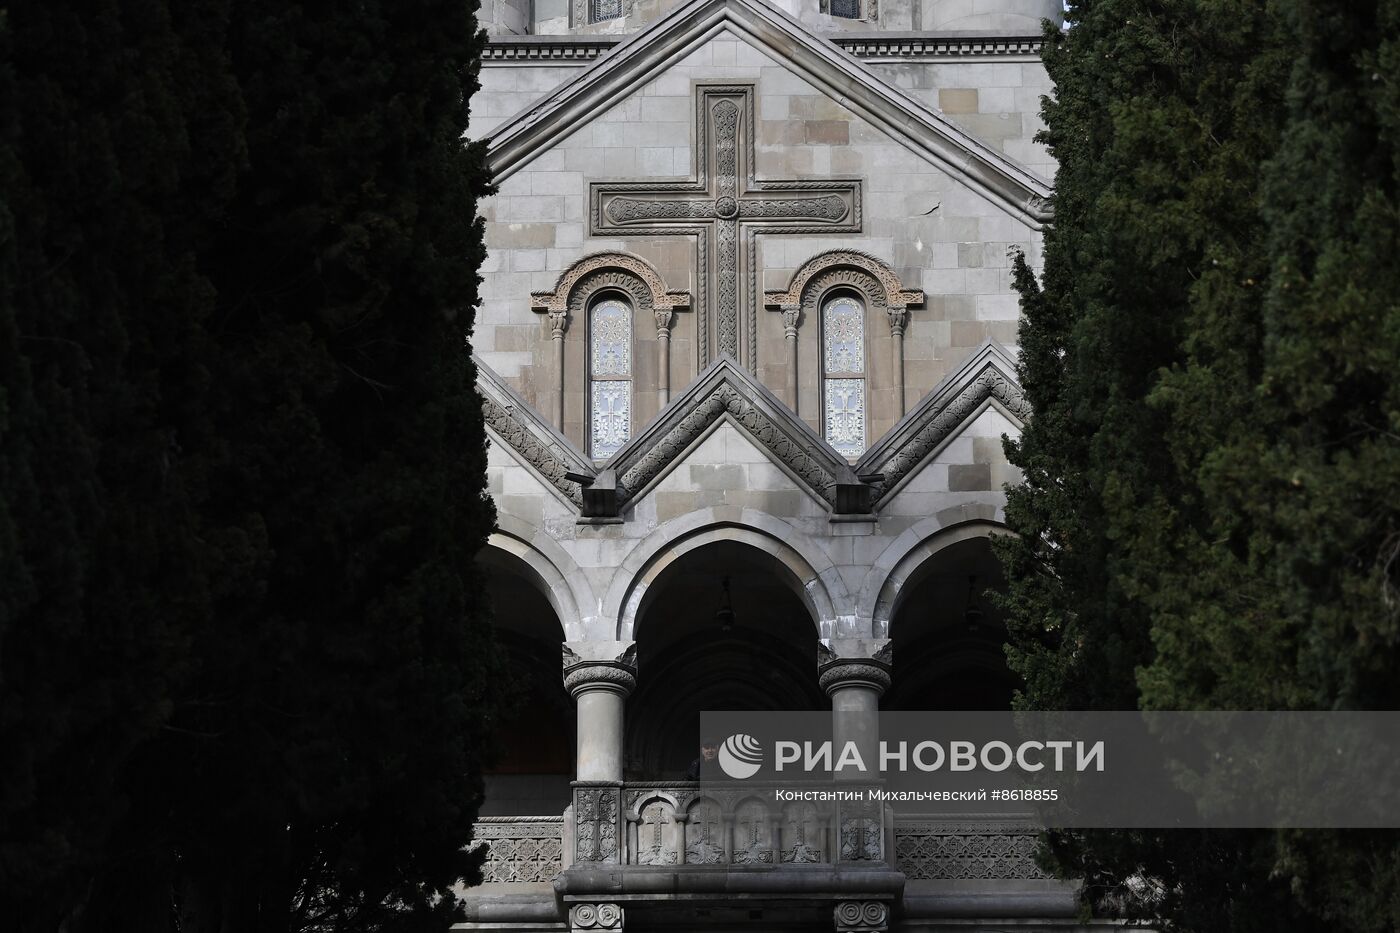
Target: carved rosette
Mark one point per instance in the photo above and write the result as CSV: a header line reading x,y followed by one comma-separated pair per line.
x,y
854,672
862,917
614,676
595,917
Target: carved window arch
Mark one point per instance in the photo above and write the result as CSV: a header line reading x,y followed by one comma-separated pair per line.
x,y
610,356
844,370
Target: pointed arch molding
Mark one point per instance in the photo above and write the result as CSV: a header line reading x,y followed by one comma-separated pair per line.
x,y
625,270
887,291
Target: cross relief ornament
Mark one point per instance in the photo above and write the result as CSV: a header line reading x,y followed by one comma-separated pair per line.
x,y
725,207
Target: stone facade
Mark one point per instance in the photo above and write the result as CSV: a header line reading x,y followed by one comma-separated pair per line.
x,y
721,174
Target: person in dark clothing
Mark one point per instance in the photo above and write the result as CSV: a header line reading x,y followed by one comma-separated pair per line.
x,y
706,766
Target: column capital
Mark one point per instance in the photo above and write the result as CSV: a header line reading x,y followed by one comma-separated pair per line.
x,y
558,323
603,666
854,672
851,662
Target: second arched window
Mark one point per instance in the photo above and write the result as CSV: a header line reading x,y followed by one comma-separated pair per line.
x,y
843,373
610,376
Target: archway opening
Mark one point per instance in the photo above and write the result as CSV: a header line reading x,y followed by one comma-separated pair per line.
x,y
536,738
721,628
949,636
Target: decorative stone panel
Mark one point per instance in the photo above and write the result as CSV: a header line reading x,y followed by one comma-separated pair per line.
x,y
521,849
862,917
968,850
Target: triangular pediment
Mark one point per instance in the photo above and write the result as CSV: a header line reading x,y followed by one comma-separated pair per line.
x,y
517,425
987,377
817,60
726,391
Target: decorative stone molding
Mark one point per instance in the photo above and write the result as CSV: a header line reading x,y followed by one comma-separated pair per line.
x,y
862,836
881,45
595,917
899,319
847,672
520,849
596,823
633,273
927,850
723,205
618,675
986,375
869,274
810,56
600,676
583,13
518,426
726,399
862,917
885,45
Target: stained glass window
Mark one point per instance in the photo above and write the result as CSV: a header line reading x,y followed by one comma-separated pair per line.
x,y
605,9
846,9
843,374
610,376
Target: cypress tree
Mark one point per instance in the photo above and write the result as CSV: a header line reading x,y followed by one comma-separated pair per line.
x,y
244,657
1212,490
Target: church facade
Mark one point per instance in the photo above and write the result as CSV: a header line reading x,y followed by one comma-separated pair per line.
x,y
746,352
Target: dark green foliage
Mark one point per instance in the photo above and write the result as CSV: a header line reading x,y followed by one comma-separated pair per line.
x,y
242,661
1211,513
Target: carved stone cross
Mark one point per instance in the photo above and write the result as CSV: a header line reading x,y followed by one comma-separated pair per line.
x,y
724,207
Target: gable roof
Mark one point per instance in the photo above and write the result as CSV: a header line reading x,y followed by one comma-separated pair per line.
x,y
726,389
821,62
988,375
538,444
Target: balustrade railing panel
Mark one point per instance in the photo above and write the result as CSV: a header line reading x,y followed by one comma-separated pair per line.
x,y
521,848
938,850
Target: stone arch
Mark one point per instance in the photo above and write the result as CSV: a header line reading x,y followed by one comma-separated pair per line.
x,y
812,574
848,268
885,582
551,570
610,269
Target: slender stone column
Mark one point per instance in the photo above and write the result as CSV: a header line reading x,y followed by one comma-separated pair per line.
x,y
855,686
663,350
790,316
899,316
558,323
600,690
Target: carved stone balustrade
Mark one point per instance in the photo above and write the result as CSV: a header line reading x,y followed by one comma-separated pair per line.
x,y
521,849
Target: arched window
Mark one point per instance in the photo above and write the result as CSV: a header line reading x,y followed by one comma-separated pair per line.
x,y
610,375
843,373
